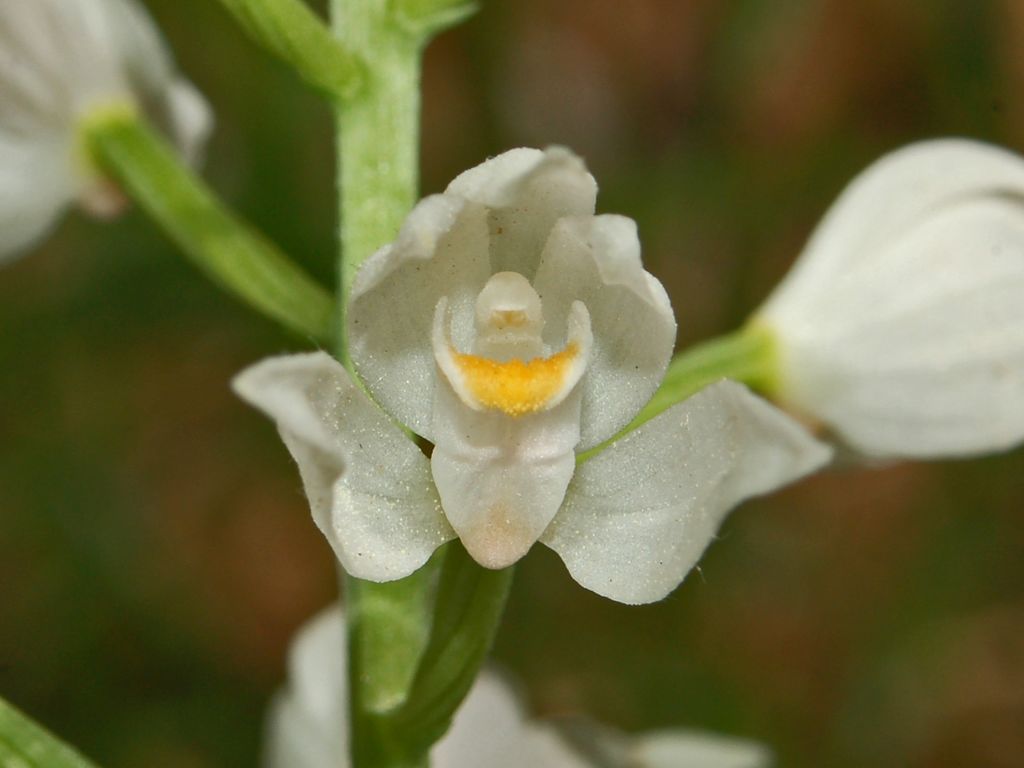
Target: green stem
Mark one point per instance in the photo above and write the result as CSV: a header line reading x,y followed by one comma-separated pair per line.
x,y
234,255
377,147
378,136
747,356
398,710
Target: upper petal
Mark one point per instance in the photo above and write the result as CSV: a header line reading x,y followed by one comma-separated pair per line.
x,y
440,251
918,350
891,196
638,516
368,485
525,191
596,259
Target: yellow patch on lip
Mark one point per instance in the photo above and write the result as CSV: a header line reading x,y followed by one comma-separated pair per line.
x,y
516,387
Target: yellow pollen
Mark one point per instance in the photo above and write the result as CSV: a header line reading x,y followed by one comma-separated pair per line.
x,y
516,387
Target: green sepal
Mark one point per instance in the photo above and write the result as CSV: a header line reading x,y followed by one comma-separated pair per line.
x,y
296,35
426,18
468,608
26,744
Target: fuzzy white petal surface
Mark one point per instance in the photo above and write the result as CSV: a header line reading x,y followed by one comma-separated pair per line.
x,y
440,251
894,194
501,480
638,516
596,259
525,191
368,485
919,350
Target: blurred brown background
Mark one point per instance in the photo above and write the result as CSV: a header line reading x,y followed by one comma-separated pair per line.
x,y
155,549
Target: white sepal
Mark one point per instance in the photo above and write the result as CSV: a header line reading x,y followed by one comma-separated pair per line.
x,y
638,516
900,326
368,485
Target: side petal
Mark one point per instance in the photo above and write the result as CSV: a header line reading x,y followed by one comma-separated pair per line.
x,y
502,479
440,251
891,196
919,350
525,192
596,259
638,516
368,485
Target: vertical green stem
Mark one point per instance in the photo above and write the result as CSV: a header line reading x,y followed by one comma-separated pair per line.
x,y
378,135
378,156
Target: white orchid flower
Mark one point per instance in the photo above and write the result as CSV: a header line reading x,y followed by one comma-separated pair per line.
x,y
513,329
901,327
61,61
306,727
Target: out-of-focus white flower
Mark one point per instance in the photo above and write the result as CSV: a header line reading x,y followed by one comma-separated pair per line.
x,y
307,725
901,327
60,61
513,328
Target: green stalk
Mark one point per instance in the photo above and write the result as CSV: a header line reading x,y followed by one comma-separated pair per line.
x,y
410,666
378,136
225,248
377,147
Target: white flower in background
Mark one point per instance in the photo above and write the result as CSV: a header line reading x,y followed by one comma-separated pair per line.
x,y
901,327
306,727
60,61
513,329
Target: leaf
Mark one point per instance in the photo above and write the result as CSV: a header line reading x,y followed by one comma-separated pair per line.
x,y
25,744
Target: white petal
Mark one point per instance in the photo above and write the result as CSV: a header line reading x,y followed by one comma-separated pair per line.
x,y
894,194
920,352
901,326
526,191
35,187
306,725
369,487
638,516
597,260
501,479
441,251
685,749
